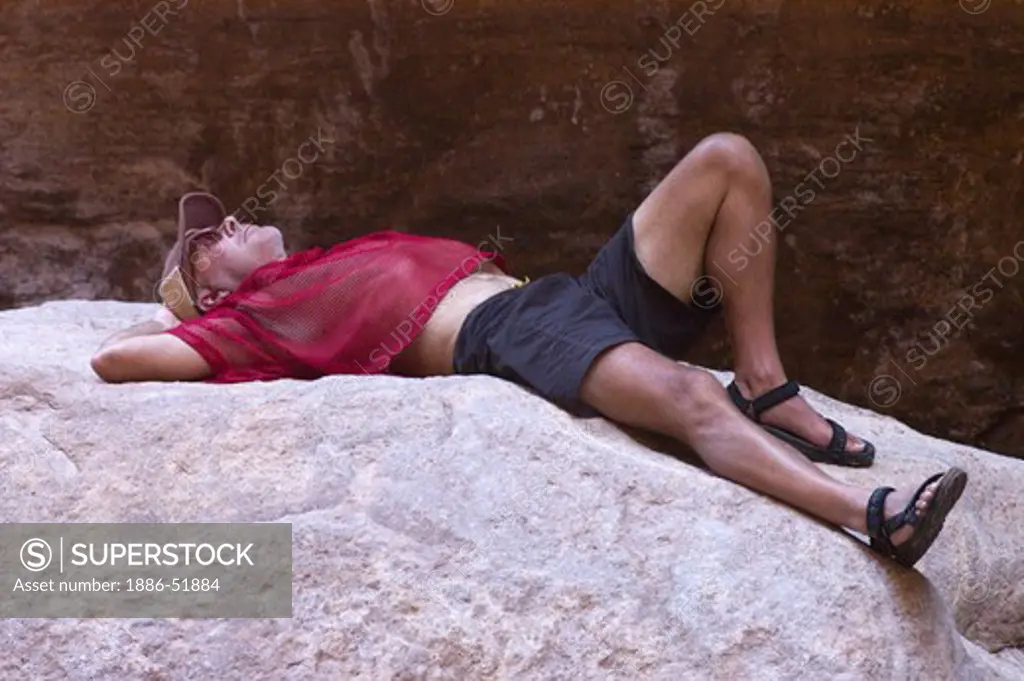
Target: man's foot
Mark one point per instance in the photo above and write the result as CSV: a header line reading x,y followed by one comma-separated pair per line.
x,y
897,501
903,525
794,415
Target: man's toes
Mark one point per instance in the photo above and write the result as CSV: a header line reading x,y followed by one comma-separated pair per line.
x,y
925,499
855,445
895,503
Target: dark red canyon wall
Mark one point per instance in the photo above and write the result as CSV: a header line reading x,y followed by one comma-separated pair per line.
x,y
550,120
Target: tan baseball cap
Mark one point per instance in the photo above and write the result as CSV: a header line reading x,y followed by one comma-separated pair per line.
x,y
177,288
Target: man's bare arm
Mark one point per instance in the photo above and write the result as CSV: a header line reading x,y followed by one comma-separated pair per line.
x,y
144,329
145,353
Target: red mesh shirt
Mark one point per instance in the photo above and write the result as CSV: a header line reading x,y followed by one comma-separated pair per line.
x,y
349,309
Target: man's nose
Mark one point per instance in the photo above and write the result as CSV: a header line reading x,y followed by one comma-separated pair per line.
x,y
230,227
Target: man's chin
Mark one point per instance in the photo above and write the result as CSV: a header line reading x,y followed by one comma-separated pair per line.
x,y
274,243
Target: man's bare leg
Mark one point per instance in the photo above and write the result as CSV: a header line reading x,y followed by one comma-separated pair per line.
x,y
709,215
632,384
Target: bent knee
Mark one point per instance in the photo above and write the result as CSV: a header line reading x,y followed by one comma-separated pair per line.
x,y
695,392
732,154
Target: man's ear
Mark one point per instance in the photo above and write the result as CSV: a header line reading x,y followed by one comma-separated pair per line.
x,y
209,297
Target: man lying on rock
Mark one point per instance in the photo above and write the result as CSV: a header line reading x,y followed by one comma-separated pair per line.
x,y
604,342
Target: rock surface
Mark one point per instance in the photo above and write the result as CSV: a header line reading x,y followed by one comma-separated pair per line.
x,y
462,528
550,121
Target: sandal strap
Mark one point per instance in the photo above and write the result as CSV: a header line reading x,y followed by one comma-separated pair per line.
x,y
835,452
741,402
924,485
878,529
774,397
908,516
837,445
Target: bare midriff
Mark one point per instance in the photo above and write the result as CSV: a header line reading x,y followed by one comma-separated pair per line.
x,y
432,352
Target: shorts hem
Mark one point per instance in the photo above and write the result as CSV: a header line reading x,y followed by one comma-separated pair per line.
x,y
571,401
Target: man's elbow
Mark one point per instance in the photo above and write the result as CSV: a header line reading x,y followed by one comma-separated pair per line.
x,y
157,357
108,363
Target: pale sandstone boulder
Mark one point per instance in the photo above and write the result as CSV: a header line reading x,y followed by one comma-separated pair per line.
x,y
462,528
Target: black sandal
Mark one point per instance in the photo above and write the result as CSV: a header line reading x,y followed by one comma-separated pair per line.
x,y
834,453
926,528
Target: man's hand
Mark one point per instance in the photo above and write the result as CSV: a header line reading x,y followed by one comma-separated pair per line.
x,y
144,353
166,317
163,319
